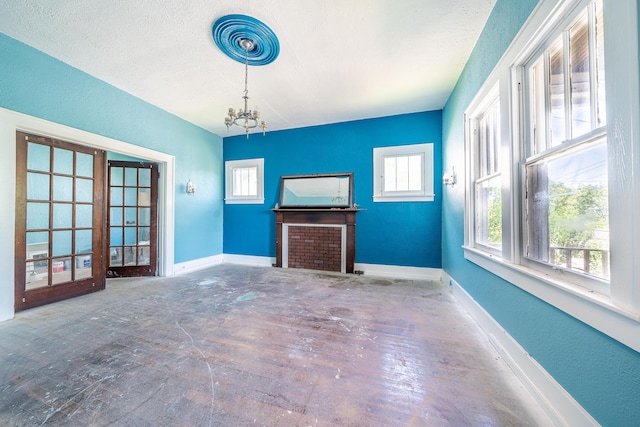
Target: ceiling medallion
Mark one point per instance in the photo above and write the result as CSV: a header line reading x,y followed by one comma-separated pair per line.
x,y
249,41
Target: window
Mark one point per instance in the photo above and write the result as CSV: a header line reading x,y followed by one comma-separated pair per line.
x,y
552,143
244,181
403,173
484,140
566,223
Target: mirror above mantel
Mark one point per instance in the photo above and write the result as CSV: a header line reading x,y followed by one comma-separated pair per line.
x,y
317,191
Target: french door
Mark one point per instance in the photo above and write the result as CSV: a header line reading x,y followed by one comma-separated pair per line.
x,y
133,200
60,211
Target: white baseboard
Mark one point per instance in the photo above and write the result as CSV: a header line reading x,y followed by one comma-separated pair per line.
x,y
560,407
196,264
252,260
400,272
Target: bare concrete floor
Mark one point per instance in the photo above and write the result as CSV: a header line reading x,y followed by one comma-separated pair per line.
x,y
244,346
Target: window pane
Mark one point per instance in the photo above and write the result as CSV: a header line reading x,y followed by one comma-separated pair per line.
x,y
556,94
144,255
62,161
115,216
84,190
402,173
489,140
83,267
131,196
38,157
129,256
116,176
415,173
37,274
84,165
62,188
253,181
130,216
601,118
144,215
115,236
144,197
568,214
538,113
145,177
37,186
37,245
62,215
61,242
390,181
131,177
116,197
84,241
61,269
488,226
130,236
144,235
580,79
37,215
84,216
115,256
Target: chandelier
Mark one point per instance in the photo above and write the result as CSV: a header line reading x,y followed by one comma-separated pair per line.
x,y
245,118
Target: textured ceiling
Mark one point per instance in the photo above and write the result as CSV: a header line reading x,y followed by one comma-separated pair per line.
x,y
339,60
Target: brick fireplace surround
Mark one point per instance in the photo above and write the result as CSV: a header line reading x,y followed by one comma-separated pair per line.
x,y
314,247
319,239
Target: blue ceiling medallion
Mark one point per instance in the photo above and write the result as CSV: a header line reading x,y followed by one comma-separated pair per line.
x,y
230,31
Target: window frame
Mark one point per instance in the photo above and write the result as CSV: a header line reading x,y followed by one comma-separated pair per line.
x,y
538,149
482,104
425,194
230,166
617,312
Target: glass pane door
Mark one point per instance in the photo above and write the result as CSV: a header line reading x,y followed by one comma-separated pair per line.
x,y
59,211
132,219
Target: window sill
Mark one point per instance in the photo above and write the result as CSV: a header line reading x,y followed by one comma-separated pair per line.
x,y
244,201
592,308
427,198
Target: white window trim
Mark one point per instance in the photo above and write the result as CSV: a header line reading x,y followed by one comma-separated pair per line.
x,y
229,166
426,195
617,315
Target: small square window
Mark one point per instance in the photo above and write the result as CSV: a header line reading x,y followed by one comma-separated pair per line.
x,y
403,173
244,181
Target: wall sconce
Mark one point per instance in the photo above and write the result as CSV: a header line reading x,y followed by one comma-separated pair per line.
x,y
449,178
191,188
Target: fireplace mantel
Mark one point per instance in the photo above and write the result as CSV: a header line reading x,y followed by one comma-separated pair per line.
x,y
318,218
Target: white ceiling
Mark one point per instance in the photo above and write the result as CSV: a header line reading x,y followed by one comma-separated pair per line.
x,y
340,60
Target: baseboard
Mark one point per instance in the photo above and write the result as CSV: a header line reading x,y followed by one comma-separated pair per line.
x,y
400,272
197,264
252,260
560,407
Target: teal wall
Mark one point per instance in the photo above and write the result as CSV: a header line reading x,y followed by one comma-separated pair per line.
x,y
36,84
403,234
599,372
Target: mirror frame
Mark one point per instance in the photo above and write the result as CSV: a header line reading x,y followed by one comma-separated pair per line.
x,y
348,204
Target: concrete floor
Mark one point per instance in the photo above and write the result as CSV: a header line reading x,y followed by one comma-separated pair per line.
x,y
245,346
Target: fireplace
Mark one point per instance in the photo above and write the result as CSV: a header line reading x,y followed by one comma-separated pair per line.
x,y
316,239
316,222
